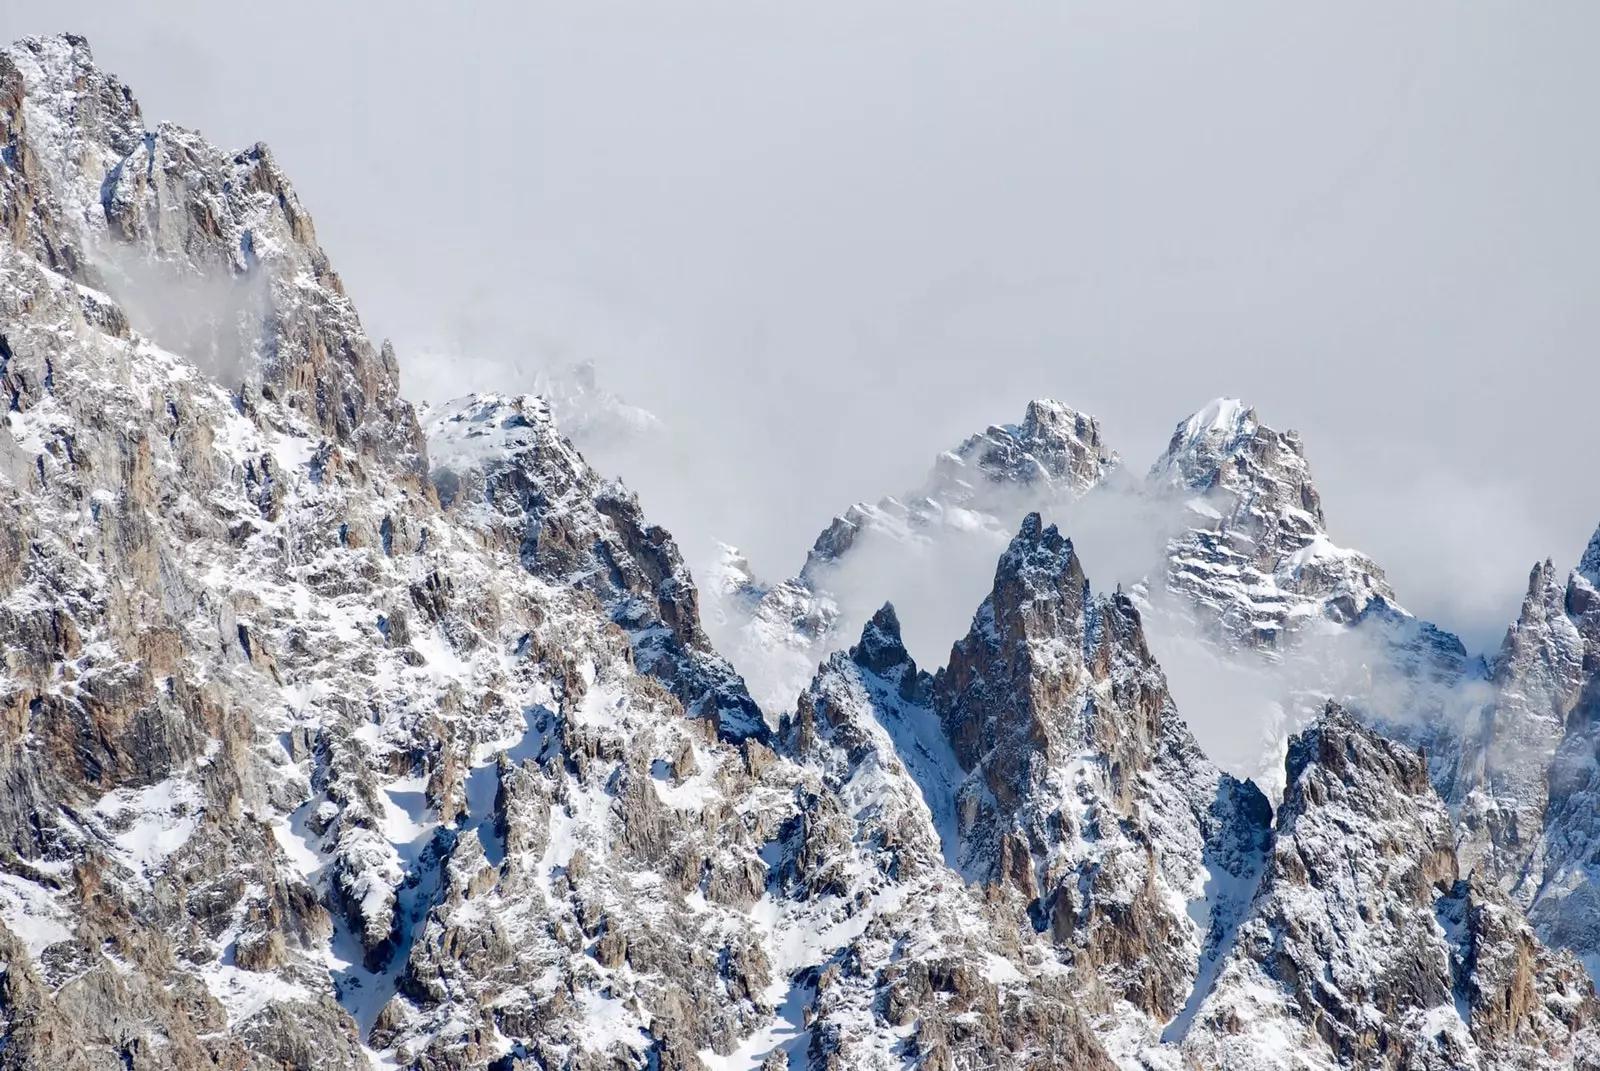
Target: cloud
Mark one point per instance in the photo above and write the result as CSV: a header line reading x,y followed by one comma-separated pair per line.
x,y
216,321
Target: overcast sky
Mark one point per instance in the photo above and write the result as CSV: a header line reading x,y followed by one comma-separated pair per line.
x,y
825,241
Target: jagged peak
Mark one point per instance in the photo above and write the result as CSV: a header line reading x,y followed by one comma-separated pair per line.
x,y
1218,429
1346,749
59,54
1055,453
1046,418
1040,557
1543,598
146,215
1224,431
1225,446
1055,445
1543,639
833,541
1589,564
1227,418
881,649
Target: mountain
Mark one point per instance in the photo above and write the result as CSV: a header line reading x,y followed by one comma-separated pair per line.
x,y
964,511
1085,791
340,736
1256,556
503,470
1223,544
1363,944
1525,779
1251,572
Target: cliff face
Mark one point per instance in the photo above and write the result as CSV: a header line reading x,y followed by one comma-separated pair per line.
x,y
1085,794
1364,946
327,745
503,471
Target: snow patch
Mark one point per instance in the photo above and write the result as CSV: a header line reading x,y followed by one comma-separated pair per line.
x,y
148,825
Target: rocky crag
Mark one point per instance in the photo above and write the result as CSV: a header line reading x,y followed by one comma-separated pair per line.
x,y
968,505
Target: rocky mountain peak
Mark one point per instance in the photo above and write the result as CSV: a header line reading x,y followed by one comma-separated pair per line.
x,y
881,650
1225,447
1040,590
501,466
1500,781
1056,449
1361,946
1339,759
970,499
1006,692
1527,779
1542,649
61,113
1055,454
208,252
834,542
1204,442
1589,564
1049,673
1255,559
1085,796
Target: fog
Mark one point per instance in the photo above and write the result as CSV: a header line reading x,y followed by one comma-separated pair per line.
x,y
214,320
824,242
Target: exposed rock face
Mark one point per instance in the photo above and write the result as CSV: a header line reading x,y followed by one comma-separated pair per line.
x,y
140,214
777,633
1565,898
1055,453
1535,759
867,721
975,492
173,580
1086,794
1363,947
1256,556
967,984
1505,752
1254,574
502,468
1589,564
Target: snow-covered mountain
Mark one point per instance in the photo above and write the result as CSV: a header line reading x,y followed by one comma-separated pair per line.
x,y
338,738
1256,556
956,521
1526,775
1223,545
1251,581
